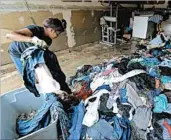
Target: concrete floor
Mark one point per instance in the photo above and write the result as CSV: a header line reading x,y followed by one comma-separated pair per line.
x,y
69,60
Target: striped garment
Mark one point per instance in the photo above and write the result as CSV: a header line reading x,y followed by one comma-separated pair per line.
x,y
156,18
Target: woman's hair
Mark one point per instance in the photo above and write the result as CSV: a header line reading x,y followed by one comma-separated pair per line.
x,y
56,24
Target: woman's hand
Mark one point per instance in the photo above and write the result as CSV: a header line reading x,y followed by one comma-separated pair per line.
x,y
38,42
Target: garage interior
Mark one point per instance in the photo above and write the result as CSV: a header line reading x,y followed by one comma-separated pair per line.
x,y
97,32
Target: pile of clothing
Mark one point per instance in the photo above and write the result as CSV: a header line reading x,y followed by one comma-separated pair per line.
x,y
125,98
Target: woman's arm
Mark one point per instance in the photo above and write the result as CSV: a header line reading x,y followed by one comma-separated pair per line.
x,y
25,35
22,35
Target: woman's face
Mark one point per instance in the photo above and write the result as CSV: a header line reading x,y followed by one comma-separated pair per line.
x,y
52,33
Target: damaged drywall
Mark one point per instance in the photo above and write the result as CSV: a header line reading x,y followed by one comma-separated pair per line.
x,y
69,30
86,26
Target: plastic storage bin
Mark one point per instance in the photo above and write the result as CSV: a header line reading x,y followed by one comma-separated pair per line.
x,y
12,105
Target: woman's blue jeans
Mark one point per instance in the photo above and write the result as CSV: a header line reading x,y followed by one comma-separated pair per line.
x,y
18,63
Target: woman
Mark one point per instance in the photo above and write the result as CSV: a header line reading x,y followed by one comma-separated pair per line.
x,y
33,35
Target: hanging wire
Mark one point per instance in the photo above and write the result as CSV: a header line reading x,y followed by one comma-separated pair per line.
x,y
30,13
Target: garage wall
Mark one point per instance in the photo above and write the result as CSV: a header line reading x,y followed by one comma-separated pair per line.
x,y
82,22
86,26
16,20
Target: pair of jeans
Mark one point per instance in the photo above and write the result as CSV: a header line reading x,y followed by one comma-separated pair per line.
x,y
122,128
17,62
33,56
77,118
